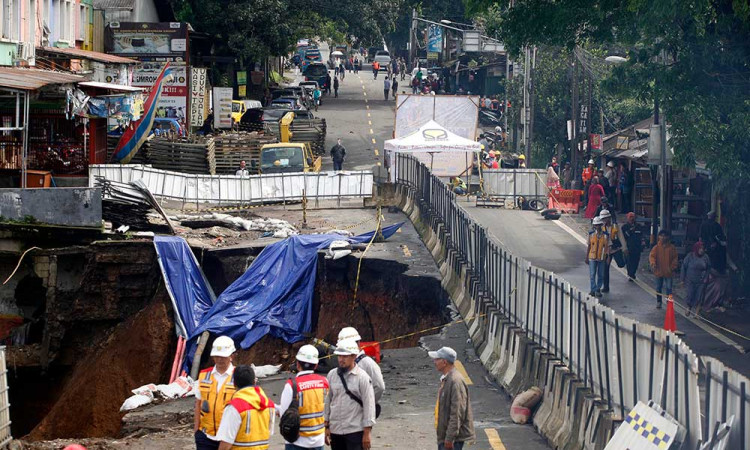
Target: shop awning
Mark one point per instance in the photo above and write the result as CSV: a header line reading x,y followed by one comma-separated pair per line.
x,y
33,79
110,86
77,53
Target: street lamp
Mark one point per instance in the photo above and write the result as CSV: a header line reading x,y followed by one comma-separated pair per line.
x,y
615,59
450,22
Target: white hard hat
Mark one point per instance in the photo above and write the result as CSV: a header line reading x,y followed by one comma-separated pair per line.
x,y
223,346
597,221
347,347
604,214
348,333
307,354
591,161
610,164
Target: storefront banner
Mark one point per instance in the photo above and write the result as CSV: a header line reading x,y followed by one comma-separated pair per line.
x,y
174,95
197,96
434,39
164,41
222,107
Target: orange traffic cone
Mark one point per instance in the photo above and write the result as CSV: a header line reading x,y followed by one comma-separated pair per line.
x,y
669,321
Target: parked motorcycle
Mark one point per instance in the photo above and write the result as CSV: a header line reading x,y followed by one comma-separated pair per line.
x,y
490,118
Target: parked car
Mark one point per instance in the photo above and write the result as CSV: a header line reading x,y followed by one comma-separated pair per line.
x,y
251,104
384,58
287,102
371,53
256,117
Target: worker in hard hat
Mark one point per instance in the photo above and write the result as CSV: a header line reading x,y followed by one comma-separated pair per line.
x,y
215,388
365,362
350,406
248,419
312,390
522,161
586,175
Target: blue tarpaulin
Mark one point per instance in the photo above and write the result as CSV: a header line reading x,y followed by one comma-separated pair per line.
x,y
274,296
191,294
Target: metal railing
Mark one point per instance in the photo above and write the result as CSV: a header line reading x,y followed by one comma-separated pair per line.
x,y
621,360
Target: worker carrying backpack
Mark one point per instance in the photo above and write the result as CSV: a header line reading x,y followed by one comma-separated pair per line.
x,y
289,423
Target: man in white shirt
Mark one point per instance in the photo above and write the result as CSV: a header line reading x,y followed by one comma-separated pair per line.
x,y
242,171
365,362
213,390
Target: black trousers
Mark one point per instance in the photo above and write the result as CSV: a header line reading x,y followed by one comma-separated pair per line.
x,y
351,441
634,258
202,442
605,280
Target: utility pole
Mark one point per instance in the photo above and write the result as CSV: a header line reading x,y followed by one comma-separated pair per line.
x,y
530,138
507,86
574,117
412,37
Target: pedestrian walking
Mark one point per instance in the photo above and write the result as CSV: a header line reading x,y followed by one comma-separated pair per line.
x,y
367,364
715,242
356,65
386,88
335,70
375,69
336,88
663,262
587,175
248,419
350,405
338,153
694,274
595,198
615,245
342,71
567,175
604,203
596,255
215,389
454,421
634,242
310,390
414,86
328,83
394,87
316,97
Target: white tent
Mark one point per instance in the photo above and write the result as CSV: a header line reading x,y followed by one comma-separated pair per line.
x,y
446,153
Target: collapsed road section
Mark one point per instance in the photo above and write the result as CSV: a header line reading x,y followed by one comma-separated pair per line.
x,y
98,318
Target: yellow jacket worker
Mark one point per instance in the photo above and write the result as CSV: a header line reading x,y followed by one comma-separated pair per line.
x,y
247,423
214,389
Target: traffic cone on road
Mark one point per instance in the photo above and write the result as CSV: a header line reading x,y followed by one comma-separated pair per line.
x,y
669,321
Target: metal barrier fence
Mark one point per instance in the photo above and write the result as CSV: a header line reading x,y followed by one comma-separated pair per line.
x,y
5,436
621,360
230,189
509,184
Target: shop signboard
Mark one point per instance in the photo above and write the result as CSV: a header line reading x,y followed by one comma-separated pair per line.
x,y
222,107
434,39
174,94
153,42
197,96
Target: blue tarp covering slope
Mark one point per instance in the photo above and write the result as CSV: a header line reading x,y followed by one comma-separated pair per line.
x,y
274,296
191,294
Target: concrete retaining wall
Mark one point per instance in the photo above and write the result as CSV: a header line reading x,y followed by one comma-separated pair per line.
x,y
570,415
73,207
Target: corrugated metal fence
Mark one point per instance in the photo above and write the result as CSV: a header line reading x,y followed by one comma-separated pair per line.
x,y
5,436
619,359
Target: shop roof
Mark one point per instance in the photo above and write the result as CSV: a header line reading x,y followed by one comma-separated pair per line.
x,y
33,79
88,54
110,86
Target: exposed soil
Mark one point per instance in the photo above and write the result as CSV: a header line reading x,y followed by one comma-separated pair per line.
x,y
139,351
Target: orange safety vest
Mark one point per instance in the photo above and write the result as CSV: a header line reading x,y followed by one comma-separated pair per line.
x,y
256,409
587,175
213,401
312,390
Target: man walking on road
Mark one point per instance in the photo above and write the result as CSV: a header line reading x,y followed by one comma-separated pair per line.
x,y
214,391
386,88
336,88
338,153
663,262
312,390
328,83
350,406
365,362
453,417
633,234
596,255
248,420
394,87
375,69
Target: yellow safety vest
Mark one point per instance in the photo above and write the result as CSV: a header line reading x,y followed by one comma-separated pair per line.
x,y
311,391
598,241
213,401
255,408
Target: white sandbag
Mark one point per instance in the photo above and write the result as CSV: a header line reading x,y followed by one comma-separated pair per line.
x,y
135,401
146,389
520,410
178,388
265,371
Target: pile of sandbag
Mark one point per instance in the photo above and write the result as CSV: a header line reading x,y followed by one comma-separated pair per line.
x,y
146,394
523,404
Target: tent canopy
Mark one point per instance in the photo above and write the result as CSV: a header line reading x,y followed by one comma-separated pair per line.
x,y
432,137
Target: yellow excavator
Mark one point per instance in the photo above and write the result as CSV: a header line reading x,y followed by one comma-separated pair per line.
x,y
287,156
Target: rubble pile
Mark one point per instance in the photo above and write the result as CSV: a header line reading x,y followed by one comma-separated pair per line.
x,y
276,228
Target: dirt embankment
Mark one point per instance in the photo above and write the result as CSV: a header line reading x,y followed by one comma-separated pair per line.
x,y
139,351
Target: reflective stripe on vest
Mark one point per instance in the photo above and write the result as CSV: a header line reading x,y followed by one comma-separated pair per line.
x,y
312,390
213,401
255,409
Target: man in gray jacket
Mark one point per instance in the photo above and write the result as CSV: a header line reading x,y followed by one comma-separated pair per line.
x,y
454,421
